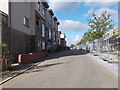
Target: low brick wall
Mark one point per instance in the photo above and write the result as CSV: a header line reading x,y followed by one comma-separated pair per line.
x,y
27,58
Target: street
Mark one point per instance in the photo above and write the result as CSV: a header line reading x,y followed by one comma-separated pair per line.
x,y
66,69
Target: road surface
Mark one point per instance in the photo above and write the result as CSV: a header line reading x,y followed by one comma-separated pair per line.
x,y
67,69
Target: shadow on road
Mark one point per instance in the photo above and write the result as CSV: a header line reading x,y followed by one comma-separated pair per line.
x,y
40,68
55,55
18,68
62,54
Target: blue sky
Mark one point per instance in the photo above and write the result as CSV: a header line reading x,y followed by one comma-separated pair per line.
x,y
73,16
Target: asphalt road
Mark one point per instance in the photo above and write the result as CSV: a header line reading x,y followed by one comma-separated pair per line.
x,y
68,69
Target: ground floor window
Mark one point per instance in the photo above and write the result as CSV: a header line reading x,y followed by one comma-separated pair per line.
x,y
39,45
43,45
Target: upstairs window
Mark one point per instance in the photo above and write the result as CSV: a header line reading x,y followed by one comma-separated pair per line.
x,y
49,18
53,35
26,21
43,11
54,23
39,6
43,30
49,33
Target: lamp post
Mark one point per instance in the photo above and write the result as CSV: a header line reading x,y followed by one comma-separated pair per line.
x,y
108,46
108,50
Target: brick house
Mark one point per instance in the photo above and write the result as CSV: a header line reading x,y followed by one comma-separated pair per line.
x,y
32,28
4,31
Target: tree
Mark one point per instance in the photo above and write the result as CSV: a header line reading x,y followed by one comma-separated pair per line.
x,y
72,45
99,25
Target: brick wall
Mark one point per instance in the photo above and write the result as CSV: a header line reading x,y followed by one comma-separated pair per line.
x,y
28,58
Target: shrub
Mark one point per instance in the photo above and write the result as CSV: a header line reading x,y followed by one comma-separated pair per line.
x,y
6,59
49,51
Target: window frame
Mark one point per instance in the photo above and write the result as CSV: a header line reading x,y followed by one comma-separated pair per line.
x,y
26,21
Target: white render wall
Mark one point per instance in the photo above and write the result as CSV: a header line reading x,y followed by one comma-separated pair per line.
x,y
18,11
4,6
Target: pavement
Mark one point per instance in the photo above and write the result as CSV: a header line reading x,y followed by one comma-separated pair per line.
x,y
67,69
113,67
18,69
107,57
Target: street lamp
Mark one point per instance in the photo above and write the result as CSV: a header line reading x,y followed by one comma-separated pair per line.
x,y
108,46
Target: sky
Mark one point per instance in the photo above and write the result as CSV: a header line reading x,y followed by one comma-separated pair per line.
x,y
74,16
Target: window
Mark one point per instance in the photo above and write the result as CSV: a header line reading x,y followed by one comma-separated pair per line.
x,y
53,23
49,33
43,30
26,21
43,45
39,6
39,45
49,18
37,22
53,35
43,11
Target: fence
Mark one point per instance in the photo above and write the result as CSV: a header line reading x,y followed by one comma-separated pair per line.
x,y
106,48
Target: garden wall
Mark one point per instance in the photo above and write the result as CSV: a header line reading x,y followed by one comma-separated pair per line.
x,y
28,58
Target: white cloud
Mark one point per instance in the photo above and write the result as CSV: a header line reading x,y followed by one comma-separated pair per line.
x,y
100,4
70,25
77,38
73,39
89,12
63,6
112,12
84,0
109,11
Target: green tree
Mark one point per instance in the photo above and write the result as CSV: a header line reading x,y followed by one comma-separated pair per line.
x,y
72,45
6,59
99,25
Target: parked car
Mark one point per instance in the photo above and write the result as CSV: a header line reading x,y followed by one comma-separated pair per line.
x,y
67,48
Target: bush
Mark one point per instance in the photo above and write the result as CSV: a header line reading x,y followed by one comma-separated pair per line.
x,y
49,51
6,59
60,48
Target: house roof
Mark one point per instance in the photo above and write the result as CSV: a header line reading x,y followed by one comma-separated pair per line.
x,y
50,11
54,17
58,22
45,3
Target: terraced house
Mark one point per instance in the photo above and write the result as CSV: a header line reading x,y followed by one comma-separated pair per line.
x,y
33,28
